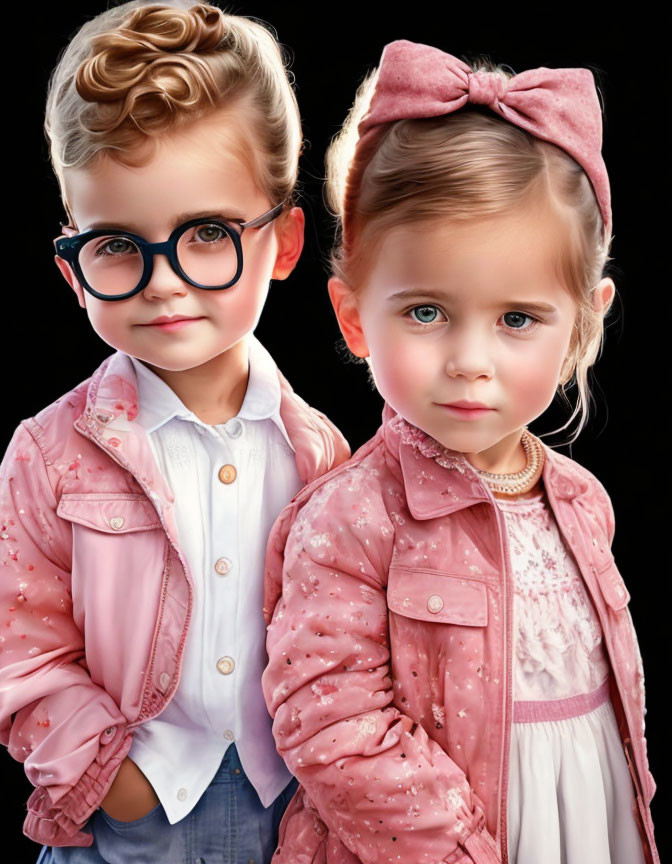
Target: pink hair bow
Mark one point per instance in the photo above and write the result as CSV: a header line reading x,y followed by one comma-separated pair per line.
x,y
556,105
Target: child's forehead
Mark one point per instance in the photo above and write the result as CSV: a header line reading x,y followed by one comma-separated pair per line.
x,y
195,168
520,237
488,256
218,142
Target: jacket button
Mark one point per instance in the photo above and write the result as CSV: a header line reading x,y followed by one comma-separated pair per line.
x,y
225,665
435,603
222,566
227,474
108,734
117,522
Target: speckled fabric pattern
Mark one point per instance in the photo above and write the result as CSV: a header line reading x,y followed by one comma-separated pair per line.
x,y
389,599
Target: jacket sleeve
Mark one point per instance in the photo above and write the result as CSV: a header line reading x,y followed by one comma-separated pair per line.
x,y
65,728
606,509
376,778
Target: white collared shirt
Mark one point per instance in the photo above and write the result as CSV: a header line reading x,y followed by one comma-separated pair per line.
x,y
230,482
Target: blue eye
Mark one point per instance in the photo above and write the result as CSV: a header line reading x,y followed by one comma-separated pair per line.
x,y
519,316
424,314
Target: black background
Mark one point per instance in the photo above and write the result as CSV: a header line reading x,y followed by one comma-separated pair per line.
x,y
48,345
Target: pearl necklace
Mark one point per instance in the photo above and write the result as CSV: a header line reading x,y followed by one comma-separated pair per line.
x,y
523,480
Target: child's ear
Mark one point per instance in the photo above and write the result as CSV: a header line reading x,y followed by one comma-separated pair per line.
x,y
290,234
71,279
344,301
603,293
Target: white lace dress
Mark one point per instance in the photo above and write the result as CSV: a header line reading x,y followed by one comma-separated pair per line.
x,y
570,794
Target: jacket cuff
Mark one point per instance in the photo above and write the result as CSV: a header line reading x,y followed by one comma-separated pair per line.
x,y
59,824
481,847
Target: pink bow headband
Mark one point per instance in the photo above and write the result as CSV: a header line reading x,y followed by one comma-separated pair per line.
x,y
557,105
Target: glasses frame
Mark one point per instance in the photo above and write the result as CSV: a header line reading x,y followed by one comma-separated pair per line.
x,y
69,248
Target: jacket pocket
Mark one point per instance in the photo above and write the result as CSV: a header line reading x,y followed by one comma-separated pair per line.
x,y
437,597
119,553
612,585
112,513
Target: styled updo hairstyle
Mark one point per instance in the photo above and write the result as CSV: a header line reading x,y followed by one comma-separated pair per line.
x,y
140,70
461,167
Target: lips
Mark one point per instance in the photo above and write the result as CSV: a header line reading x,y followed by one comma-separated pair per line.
x,y
465,410
169,319
463,403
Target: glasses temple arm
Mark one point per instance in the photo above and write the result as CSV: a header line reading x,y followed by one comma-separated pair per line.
x,y
264,218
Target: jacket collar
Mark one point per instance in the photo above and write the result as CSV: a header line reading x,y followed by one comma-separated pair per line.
x,y
438,481
111,413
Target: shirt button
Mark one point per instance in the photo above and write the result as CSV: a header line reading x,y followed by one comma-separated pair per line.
x,y
222,566
228,734
117,522
435,603
182,794
225,665
234,428
227,474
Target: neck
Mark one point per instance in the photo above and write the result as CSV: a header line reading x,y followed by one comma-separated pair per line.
x,y
214,391
506,457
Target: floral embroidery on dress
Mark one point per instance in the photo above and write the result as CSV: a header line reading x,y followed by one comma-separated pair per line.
x,y
559,651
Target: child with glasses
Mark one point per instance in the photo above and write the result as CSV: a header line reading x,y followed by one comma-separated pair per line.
x,y
135,509
453,670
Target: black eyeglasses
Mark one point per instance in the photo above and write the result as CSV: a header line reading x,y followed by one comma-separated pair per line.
x,y
115,265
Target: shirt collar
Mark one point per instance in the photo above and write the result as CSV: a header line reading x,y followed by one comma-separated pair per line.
x,y
158,403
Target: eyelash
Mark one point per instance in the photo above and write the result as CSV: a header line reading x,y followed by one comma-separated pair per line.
x,y
415,323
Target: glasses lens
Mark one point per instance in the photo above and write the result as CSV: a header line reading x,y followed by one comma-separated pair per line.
x,y
207,254
111,264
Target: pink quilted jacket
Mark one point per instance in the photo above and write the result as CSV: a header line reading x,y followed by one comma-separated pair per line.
x,y
95,591
388,592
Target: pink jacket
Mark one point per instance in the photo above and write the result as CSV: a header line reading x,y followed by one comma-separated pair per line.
x,y
390,653
96,593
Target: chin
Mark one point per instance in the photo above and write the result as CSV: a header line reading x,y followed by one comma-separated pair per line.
x,y
463,442
172,364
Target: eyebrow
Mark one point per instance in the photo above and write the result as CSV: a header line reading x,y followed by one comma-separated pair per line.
x,y
224,215
441,296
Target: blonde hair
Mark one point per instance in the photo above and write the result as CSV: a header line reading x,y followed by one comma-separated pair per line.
x,y
464,166
140,70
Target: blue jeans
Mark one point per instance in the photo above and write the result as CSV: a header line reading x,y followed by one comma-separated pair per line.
x,y
229,825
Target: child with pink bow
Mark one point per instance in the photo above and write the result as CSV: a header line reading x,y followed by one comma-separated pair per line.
x,y
454,675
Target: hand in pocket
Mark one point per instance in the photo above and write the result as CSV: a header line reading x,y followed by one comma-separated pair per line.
x,y
131,795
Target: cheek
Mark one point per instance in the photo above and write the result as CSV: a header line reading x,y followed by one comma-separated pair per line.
x,y
105,318
534,379
401,363
241,309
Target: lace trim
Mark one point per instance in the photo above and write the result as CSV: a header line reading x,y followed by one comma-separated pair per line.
x,y
428,446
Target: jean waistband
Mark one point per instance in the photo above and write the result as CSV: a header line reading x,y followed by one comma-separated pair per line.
x,y
230,763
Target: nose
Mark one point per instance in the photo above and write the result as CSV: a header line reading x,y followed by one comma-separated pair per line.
x,y
164,281
468,354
